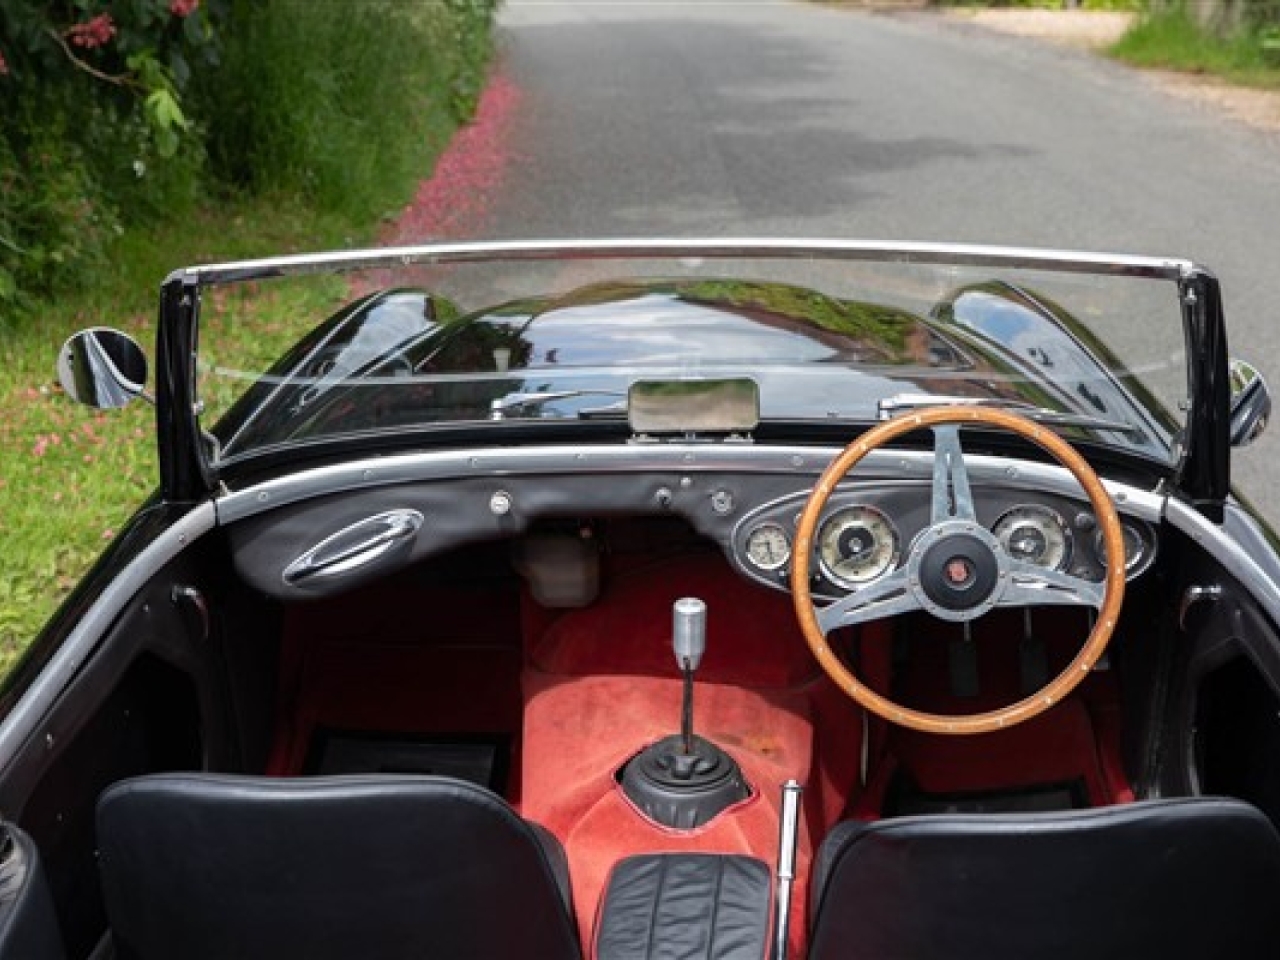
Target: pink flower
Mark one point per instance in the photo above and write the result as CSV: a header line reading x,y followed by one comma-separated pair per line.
x,y
183,8
94,33
41,445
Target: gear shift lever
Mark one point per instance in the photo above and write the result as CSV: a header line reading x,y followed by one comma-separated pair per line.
x,y
683,781
689,638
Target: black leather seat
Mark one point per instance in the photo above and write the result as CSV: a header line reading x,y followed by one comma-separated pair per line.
x,y
205,866
1193,878
28,926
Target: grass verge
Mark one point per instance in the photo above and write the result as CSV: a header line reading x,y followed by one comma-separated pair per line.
x,y
1174,40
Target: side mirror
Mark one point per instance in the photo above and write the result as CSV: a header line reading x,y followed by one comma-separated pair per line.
x,y
103,368
1250,403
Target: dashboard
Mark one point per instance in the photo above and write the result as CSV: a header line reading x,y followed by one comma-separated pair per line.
x,y
746,500
866,532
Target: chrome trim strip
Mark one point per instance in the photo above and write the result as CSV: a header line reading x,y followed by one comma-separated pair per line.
x,y
1231,555
29,713
891,465
1158,268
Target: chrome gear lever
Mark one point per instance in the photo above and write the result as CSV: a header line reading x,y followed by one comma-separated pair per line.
x,y
684,781
689,639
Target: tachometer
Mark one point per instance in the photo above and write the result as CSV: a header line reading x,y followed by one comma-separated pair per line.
x,y
856,545
768,546
1035,534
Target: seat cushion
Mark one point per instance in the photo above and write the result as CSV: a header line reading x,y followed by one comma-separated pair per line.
x,y
205,866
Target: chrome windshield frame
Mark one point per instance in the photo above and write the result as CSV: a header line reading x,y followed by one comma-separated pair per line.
x,y
1201,475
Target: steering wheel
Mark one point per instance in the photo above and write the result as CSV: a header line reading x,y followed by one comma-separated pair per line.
x,y
956,569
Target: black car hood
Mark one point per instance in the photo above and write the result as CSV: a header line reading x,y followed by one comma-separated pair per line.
x,y
814,357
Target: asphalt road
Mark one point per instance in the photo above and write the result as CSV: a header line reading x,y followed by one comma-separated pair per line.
x,y
759,117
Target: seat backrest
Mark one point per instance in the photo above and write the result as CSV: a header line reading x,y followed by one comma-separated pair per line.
x,y
206,866
28,926
1193,878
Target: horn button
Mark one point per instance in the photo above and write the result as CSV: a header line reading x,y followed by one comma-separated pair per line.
x,y
956,570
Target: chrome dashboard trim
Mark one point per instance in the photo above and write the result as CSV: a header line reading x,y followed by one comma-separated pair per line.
x,y
881,465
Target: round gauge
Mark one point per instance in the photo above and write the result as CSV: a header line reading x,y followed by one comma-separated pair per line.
x,y
1034,534
856,545
1134,547
768,546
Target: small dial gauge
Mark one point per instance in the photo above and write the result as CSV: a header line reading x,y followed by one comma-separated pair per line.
x,y
856,545
1134,547
768,546
1034,534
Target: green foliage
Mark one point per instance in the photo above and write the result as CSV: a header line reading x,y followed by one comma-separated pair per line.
x,y
317,100
91,127
1173,38
115,113
1045,4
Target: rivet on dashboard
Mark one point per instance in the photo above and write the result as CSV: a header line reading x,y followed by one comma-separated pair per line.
x,y
262,497
797,461
366,475
663,498
686,483
722,501
500,503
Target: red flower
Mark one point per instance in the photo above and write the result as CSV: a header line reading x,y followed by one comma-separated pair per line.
x,y
95,33
183,8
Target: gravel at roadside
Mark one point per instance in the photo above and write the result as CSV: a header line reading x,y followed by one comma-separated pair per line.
x,y
1096,30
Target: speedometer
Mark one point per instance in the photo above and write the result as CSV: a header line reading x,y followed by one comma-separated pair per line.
x,y
856,545
1035,534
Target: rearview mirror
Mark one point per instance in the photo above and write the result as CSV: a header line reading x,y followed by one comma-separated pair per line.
x,y
1250,403
103,368
694,406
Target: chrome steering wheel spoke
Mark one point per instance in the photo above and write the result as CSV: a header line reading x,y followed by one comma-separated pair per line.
x,y
952,499
884,597
1034,586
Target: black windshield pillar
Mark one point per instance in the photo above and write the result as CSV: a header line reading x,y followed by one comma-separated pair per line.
x,y
1204,475
185,473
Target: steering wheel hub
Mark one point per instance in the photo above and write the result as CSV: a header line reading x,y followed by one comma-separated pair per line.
x,y
957,573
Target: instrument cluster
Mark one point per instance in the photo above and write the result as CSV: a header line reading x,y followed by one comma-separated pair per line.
x,y
865,534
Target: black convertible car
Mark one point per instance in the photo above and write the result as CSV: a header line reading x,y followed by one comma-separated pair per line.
x,y
652,599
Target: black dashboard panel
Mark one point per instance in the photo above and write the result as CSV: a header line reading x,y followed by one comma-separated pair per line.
x,y
725,507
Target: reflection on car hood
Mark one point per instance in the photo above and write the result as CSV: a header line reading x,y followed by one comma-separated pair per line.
x,y
813,356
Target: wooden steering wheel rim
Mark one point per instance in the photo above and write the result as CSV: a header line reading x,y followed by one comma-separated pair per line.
x,y
1057,688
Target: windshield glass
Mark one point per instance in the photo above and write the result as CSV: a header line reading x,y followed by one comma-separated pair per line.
x,y
1099,355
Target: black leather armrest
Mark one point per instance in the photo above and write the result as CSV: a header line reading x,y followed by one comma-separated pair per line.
x,y
685,904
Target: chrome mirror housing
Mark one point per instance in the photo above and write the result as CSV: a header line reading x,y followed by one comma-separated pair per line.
x,y
1250,403
103,368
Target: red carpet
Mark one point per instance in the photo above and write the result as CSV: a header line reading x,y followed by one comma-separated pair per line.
x,y
579,730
